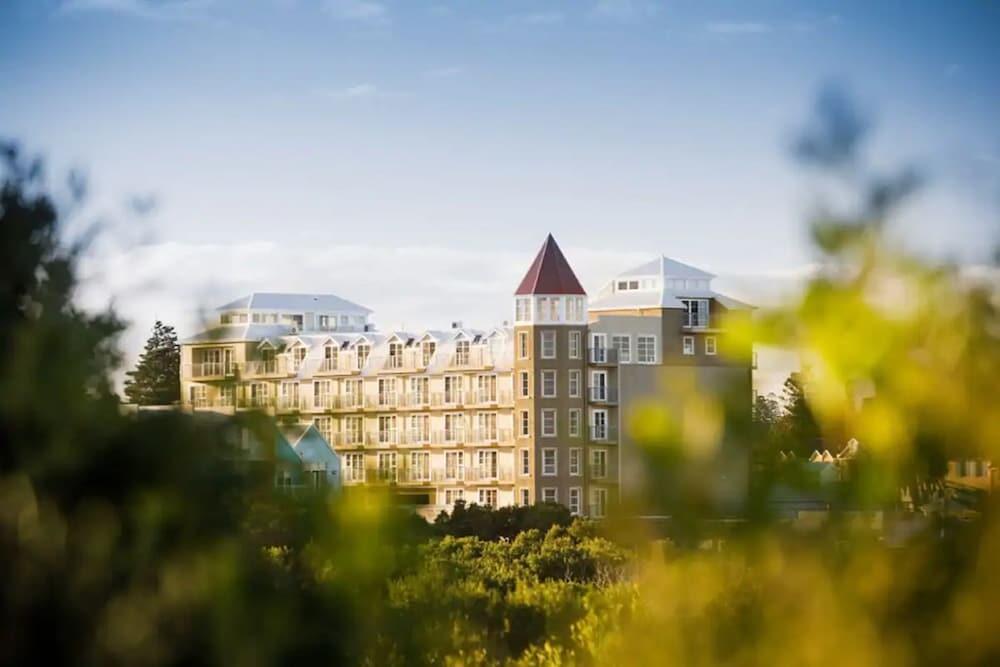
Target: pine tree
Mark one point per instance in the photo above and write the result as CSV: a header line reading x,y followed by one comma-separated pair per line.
x,y
800,425
156,378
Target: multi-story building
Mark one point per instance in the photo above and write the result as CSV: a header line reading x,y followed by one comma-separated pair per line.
x,y
509,415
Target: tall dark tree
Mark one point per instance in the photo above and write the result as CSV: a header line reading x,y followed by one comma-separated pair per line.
x,y
800,429
156,378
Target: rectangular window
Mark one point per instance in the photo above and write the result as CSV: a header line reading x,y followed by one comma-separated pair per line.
x,y
420,467
574,422
352,430
387,392
525,427
710,345
554,309
550,494
599,425
574,344
598,348
387,466
598,503
452,389
525,497
486,426
387,430
575,454
522,345
695,312
354,467
523,313
574,499
549,462
454,465
688,345
487,461
525,384
451,496
574,384
622,343
486,388
645,349
420,429
543,309
325,427
548,423
599,463
548,345
454,427
548,384
488,497
525,462
419,391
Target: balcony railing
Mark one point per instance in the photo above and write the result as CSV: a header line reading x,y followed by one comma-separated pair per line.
x,y
452,436
384,438
417,400
602,432
264,368
414,436
491,435
454,474
603,394
477,357
348,439
343,363
489,474
603,355
288,403
210,369
410,360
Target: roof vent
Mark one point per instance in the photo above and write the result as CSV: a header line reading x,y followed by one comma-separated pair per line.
x,y
456,325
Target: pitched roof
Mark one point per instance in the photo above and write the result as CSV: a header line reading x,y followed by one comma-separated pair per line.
x,y
664,266
550,273
286,301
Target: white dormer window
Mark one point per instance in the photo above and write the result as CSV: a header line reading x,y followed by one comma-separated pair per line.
x,y
363,351
428,351
543,309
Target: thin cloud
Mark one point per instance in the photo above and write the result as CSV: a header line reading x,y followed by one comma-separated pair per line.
x,y
738,27
624,10
361,11
156,10
537,18
360,91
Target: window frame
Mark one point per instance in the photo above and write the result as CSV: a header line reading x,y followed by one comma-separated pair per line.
x,y
555,423
546,374
548,336
714,347
552,471
639,339
687,346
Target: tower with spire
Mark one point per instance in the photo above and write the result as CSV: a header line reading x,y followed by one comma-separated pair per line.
x,y
550,330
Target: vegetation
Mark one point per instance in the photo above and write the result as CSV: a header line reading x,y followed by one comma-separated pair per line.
x,y
156,378
135,539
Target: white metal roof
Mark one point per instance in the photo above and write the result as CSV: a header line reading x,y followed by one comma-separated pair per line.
x,y
280,301
664,266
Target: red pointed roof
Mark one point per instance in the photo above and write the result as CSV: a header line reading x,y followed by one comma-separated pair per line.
x,y
550,273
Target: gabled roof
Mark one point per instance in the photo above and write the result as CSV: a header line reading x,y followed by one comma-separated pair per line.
x,y
293,302
664,266
550,273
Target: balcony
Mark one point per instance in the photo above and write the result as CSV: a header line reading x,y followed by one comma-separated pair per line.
x,y
602,433
411,361
288,404
454,474
421,400
264,368
384,401
477,357
603,395
488,397
344,363
491,435
347,440
450,399
603,356
384,438
414,436
454,436
489,474
208,370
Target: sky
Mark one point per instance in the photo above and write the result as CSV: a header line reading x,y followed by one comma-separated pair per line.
x,y
412,156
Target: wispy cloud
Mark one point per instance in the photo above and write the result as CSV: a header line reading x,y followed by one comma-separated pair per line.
x,y
363,11
443,72
624,10
157,10
738,27
360,91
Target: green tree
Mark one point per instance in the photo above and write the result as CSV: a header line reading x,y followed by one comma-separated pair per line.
x,y
799,430
156,378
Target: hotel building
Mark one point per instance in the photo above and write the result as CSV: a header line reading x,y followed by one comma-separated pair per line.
x,y
510,415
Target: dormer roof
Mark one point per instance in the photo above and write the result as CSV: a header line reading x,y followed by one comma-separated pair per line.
x,y
550,273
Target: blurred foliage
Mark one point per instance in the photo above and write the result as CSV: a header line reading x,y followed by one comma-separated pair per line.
x,y
145,540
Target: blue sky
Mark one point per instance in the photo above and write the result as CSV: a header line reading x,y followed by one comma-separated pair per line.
x,y
376,138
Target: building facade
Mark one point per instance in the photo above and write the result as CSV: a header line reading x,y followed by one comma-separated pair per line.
x,y
510,415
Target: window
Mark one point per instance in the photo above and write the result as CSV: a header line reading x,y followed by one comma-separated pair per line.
x,y
486,388
525,497
574,384
325,427
227,395
387,429
554,309
486,462
523,310
599,425
354,467
575,454
451,496
329,358
645,349
462,348
548,345
710,345
548,423
598,351
486,423
363,351
550,494
420,429
454,465
420,467
598,503
598,386
488,497
395,359
419,391
574,499
695,312
599,463
574,422
627,285
387,392
574,344
525,384
387,466
199,395
542,311
688,343
525,428
352,430
298,356
522,345
353,393
525,462
622,343
427,352
548,384
549,462
454,427
452,389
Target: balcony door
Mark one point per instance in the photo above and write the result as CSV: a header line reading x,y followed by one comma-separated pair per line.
x,y
598,347
599,385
